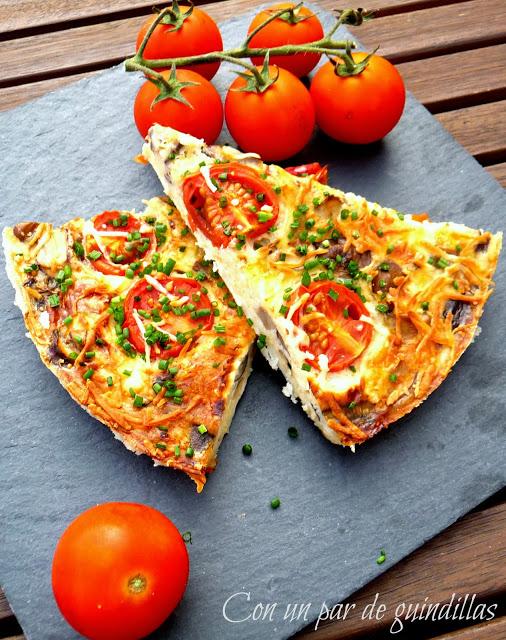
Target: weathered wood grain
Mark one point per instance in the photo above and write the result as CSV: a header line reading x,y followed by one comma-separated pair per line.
x,y
480,129
493,630
20,15
499,172
452,81
402,37
449,563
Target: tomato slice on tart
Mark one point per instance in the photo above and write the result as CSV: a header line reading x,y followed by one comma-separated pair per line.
x,y
331,315
240,205
121,242
315,169
165,313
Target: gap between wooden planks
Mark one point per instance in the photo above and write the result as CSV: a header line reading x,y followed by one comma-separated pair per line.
x,y
444,565
405,36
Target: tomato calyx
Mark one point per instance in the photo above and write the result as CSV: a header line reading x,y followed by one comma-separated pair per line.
x,y
170,87
292,15
335,321
175,17
137,584
349,67
258,80
242,206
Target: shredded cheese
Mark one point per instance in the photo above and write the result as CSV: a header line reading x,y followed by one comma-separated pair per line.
x,y
207,177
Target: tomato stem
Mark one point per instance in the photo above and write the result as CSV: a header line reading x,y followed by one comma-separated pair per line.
x,y
326,45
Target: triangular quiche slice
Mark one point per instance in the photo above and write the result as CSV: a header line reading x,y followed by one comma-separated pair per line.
x,y
136,326
364,309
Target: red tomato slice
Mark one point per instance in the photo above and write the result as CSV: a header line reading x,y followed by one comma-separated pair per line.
x,y
190,311
244,206
139,247
313,169
331,317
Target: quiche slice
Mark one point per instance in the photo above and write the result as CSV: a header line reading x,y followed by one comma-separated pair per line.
x,y
137,327
364,309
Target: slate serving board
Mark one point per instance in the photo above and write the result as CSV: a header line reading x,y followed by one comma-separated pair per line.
x,y
70,153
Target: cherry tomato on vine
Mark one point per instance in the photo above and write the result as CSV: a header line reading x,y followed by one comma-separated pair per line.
x,y
331,316
202,119
296,26
244,205
119,570
276,122
185,31
362,108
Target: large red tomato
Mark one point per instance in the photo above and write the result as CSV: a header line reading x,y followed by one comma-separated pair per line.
x,y
203,119
119,570
362,108
197,34
276,123
294,27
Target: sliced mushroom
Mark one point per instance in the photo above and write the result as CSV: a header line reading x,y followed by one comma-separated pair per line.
x,y
383,280
24,230
461,312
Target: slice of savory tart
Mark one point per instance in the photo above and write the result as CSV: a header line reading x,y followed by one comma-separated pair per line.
x,y
134,323
364,309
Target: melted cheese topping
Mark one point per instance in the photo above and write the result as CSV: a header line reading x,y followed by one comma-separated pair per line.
x,y
428,270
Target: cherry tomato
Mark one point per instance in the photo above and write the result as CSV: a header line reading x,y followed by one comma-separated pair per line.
x,y
119,570
331,316
358,109
125,244
203,119
197,34
315,169
275,123
294,27
178,307
243,206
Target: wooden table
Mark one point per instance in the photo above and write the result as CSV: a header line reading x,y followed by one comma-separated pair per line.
x,y
452,55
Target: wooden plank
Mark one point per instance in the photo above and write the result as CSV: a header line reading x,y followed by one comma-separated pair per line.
x,y
499,172
402,37
430,32
459,560
5,610
11,97
480,129
452,81
493,630
19,15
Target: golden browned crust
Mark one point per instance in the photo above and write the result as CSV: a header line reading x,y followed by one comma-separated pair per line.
x,y
209,377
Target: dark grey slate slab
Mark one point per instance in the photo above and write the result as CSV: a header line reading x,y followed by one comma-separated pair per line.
x,y
69,153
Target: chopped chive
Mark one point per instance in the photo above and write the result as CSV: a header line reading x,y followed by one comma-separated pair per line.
x,y
306,278
161,446
382,557
138,401
392,377
157,387
219,342
275,503
306,366
334,295
346,312
247,449
425,306
94,255
88,374
202,429
54,300
293,432
382,308
261,341
89,354
109,381
68,320
189,452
